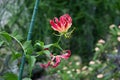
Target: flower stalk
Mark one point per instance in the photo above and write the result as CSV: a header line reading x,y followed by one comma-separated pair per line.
x,y
28,38
62,26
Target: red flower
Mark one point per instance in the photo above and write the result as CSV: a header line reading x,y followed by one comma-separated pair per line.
x,y
55,60
63,24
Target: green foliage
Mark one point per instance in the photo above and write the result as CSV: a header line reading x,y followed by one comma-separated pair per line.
x,y
110,45
28,47
31,61
1,42
10,76
6,36
90,18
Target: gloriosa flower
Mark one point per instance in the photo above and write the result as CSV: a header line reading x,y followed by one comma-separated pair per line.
x,y
62,24
55,60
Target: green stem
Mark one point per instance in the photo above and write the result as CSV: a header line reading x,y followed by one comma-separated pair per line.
x,y
28,38
2,33
58,43
59,39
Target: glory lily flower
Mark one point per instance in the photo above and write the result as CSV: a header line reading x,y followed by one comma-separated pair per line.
x,y
62,24
55,60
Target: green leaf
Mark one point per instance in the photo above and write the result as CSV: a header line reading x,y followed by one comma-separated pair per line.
x,y
16,55
28,47
17,35
1,43
10,76
40,52
47,52
40,43
6,36
48,46
52,45
31,61
57,45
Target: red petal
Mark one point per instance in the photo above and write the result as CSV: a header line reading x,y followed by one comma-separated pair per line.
x,y
66,55
45,65
55,65
54,26
58,59
56,20
68,18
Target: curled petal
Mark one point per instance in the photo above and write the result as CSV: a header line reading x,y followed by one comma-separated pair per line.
x,y
56,20
54,26
45,65
69,19
66,55
55,65
57,61
58,58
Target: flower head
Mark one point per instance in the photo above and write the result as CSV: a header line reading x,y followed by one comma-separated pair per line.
x,y
91,62
100,76
118,38
55,60
62,24
101,41
112,26
97,49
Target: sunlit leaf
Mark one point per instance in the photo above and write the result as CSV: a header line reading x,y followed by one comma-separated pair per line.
x,y
17,35
40,52
1,43
41,44
6,36
31,60
10,76
16,55
28,47
48,46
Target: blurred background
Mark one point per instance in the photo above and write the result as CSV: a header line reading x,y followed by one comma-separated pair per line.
x,y
91,20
